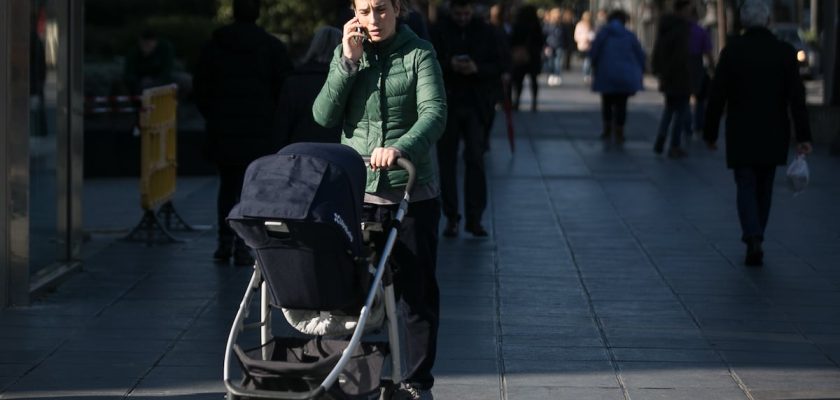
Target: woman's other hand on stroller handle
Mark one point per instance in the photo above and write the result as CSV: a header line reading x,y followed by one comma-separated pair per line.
x,y
384,157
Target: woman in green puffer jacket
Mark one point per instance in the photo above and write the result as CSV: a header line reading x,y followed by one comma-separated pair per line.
x,y
385,89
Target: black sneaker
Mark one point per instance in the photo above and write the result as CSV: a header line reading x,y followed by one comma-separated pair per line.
x,y
476,229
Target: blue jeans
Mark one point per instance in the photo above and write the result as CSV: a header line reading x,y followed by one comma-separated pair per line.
x,y
755,192
555,62
676,107
587,64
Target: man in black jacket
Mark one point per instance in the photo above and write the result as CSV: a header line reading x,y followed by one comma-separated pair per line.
x,y
237,84
468,55
670,64
757,82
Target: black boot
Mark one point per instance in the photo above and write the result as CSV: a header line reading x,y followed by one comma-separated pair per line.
x,y
242,254
619,134
755,254
607,132
659,145
224,249
474,226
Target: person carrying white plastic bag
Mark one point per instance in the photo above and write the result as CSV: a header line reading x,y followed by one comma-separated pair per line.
x,y
798,174
757,84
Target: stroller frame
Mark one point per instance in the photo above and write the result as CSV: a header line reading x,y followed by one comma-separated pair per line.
x,y
382,278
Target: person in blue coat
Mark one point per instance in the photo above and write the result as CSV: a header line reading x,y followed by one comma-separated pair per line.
x,y
618,62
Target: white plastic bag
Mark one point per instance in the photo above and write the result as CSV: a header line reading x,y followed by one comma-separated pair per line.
x,y
797,174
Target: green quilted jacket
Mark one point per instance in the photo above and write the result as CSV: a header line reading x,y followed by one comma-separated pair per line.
x,y
408,112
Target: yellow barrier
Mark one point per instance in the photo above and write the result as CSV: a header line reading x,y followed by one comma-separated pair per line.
x,y
158,138
158,166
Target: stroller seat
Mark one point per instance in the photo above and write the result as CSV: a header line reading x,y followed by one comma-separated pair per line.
x,y
300,210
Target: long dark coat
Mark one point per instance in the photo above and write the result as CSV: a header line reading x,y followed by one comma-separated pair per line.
x,y
669,60
237,84
295,106
757,83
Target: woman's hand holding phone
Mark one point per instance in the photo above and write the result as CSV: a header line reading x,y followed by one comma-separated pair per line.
x,y
351,43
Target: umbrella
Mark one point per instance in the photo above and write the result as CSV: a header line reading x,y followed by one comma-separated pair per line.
x,y
506,106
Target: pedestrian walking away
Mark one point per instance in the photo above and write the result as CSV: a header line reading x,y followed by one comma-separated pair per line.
x,y
670,64
757,84
618,61
385,89
468,55
701,62
526,47
567,22
584,35
237,84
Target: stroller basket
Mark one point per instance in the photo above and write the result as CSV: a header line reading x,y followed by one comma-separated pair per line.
x,y
300,365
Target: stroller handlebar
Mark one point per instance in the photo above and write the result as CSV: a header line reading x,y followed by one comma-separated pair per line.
x,y
408,166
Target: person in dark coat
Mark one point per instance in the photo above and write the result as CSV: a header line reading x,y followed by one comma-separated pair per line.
x,y
149,64
757,84
699,50
567,24
670,64
618,61
301,88
526,46
237,84
469,57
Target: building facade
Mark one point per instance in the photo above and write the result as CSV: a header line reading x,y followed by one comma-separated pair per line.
x,y
41,118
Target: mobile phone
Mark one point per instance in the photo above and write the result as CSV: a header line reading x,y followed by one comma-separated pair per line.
x,y
362,31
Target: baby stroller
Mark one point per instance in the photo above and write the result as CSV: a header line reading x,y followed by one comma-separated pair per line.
x,y
301,212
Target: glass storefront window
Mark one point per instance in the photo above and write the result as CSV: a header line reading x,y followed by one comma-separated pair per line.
x,y
45,245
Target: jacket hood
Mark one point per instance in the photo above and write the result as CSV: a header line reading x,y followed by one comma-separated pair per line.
x,y
670,22
239,37
615,28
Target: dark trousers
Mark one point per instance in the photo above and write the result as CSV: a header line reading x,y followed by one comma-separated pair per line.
x,y
676,107
414,260
755,192
517,79
230,187
463,123
614,108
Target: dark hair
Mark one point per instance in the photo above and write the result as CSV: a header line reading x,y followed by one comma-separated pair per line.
x,y
619,15
396,3
679,5
246,10
460,3
148,34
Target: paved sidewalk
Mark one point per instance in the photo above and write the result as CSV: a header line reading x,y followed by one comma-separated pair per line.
x,y
610,273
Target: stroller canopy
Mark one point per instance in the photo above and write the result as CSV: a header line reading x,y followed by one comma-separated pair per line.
x,y
307,182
